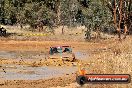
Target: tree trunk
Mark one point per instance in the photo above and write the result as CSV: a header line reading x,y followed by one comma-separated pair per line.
x,y
115,15
63,30
21,26
115,20
125,31
58,12
119,26
124,14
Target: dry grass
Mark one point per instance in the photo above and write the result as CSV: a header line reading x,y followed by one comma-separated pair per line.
x,y
117,60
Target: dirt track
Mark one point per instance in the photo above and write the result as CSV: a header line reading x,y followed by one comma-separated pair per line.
x,y
104,53
42,45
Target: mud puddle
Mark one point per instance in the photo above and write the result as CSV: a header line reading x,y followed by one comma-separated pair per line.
x,y
7,54
19,72
36,55
81,55
24,54
23,72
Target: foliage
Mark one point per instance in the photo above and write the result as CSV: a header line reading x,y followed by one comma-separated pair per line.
x,y
91,13
96,16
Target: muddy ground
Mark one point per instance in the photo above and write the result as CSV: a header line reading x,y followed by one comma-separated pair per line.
x,y
22,61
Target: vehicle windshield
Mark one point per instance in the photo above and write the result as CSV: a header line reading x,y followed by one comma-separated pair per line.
x,y
59,50
67,49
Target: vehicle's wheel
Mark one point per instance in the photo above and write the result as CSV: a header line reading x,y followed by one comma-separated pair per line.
x,y
81,80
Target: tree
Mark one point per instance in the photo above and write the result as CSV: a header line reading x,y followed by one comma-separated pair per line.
x,y
96,16
121,10
2,12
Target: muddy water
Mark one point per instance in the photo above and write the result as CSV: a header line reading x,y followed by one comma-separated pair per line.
x,y
35,55
24,54
18,72
7,54
81,55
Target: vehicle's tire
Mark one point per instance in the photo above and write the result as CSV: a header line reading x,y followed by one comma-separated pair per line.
x,y
81,80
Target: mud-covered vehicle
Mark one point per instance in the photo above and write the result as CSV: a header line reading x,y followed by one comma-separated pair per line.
x,y
62,52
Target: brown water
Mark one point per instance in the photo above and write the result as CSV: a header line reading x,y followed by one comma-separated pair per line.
x,y
20,54
36,55
18,72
